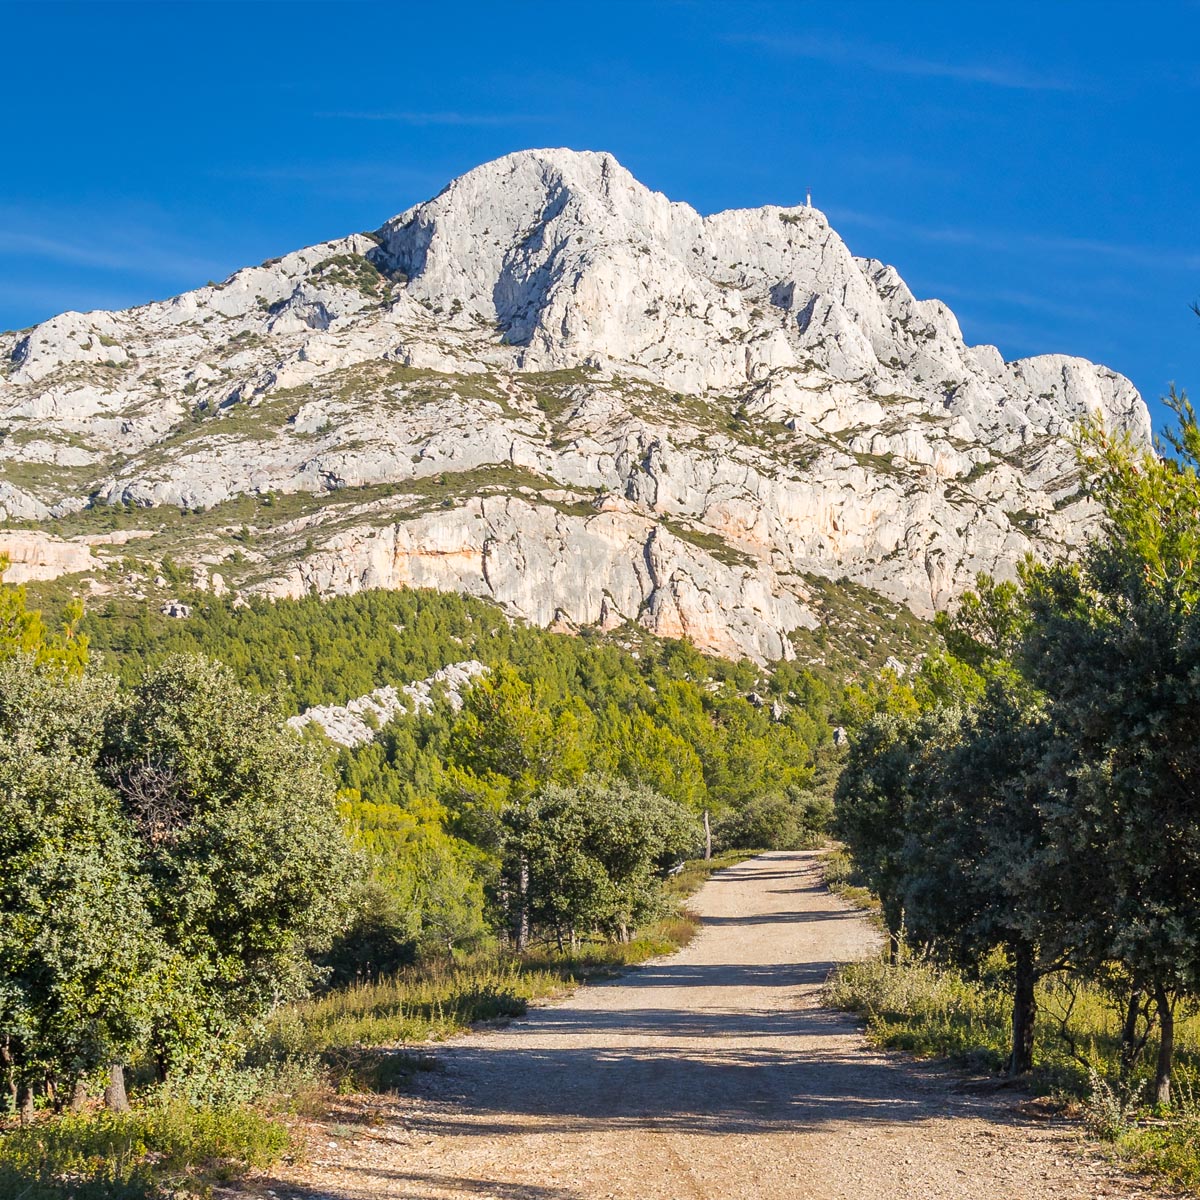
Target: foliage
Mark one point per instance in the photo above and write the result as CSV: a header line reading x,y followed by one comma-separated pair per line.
x,y
424,799
978,865
240,845
172,855
792,822
75,934
136,1155
591,853
886,776
1114,643
1029,799
23,631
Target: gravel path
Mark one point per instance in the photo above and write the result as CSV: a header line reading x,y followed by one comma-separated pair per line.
x,y
712,1074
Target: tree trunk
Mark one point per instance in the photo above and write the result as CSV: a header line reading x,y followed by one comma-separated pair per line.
x,y
522,930
893,918
1024,1013
114,1094
1129,1043
707,837
10,1073
25,1103
79,1096
1166,1045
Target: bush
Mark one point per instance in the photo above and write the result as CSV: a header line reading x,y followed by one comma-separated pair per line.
x,y
776,823
925,1009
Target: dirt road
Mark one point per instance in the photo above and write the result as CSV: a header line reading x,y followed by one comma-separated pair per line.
x,y
711,1075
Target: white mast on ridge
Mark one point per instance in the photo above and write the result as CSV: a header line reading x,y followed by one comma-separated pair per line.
x,y
808,198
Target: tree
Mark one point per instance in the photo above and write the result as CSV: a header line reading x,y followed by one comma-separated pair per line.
x,y
1114,643
247,864
979,869
76,950
504,731
887,772
23,631
593,849
505,736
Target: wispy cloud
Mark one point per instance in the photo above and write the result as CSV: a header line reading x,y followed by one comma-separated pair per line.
x,y
1010,299
436,118
134,251
898,62
1151,257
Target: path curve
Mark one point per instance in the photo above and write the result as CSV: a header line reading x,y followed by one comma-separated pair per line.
x,y
714,1074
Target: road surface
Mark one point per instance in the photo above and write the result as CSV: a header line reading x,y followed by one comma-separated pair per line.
x,y
714,1074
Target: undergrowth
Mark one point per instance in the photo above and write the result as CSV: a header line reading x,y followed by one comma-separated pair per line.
x,y
929,1011
842,878
131,1156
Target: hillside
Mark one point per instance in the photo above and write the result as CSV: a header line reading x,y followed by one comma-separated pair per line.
x,y
550,387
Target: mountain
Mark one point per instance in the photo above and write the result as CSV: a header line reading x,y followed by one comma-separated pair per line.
x,y
554,387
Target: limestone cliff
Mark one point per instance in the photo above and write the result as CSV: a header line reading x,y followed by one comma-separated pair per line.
x,y
552,386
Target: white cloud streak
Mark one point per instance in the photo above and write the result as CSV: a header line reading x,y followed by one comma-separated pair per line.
x,y
136,251
896,62
436,118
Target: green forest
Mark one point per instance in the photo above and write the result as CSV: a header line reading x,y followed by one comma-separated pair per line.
x,y
198,901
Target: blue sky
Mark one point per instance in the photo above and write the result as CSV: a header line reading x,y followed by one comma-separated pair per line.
x,y
1034,165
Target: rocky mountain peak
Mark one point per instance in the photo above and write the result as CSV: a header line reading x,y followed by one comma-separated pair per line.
x,y
554,386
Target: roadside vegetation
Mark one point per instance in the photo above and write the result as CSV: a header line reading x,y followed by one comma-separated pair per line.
x,y
1027,818
209,923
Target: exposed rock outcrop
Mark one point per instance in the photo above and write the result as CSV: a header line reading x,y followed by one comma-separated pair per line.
x,y
356,722
552,386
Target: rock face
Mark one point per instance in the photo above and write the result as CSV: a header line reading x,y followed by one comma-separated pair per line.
x,y
552,386
355,722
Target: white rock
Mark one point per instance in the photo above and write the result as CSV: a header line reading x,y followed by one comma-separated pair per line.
x,y
750,403
357,721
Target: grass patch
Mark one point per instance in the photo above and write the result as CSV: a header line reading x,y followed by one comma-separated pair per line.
x,y
843,879
932,1011
711,543
1171,1152
130,1156
696,871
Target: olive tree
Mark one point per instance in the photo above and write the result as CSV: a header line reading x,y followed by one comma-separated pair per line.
x,y
594,851
1114,642
76,946
980,871
887,772
247,865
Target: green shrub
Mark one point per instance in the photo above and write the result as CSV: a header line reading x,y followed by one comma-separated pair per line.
x,y
776,823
